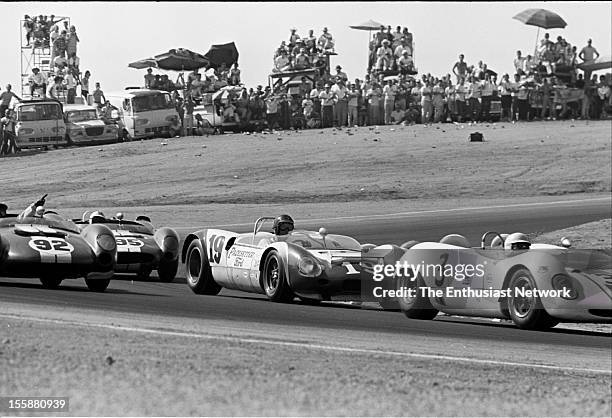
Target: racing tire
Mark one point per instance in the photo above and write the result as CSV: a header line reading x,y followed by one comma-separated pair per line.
x,y
197,271
527,312
97,285
417,307
50,282
167,271
274,279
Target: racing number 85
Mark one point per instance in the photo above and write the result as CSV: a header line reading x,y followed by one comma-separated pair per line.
x,y
215,246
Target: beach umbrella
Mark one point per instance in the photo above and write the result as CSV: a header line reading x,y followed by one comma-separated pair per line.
x,y
541,18
181,59
222,54
141,64
369,25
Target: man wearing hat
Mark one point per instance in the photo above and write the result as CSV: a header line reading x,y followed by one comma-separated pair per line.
x,y
327,106
340,74
384,56
326,41
37,81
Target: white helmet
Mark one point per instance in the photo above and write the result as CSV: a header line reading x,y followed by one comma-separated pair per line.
x,y
517,241
96,215
497,243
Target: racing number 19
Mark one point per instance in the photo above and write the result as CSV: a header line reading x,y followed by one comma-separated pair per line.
x,y
215,246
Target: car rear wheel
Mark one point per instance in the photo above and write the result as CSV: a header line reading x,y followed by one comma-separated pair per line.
x,y
198,272
274,279
167,271
415,306
96,285
527,311
50,282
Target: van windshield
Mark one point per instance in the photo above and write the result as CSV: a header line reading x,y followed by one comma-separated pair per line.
x,y
151,102
81,115
39,111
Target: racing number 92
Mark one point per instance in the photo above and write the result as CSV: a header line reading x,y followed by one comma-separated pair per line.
x,y
215,246
54,244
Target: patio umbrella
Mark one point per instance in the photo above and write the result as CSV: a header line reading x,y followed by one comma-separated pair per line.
x,y
141,64
222,54
369,25
541,18
181,59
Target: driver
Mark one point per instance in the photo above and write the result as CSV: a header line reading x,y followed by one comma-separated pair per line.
x,y
36,209
3,209
517,241
283,224
96,216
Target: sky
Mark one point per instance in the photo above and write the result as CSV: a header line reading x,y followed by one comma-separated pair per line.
x,y
113,34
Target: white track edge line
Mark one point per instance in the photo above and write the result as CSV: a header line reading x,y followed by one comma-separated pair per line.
x,y
252,340
417,213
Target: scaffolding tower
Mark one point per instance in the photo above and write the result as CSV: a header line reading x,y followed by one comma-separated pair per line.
x,y
36,55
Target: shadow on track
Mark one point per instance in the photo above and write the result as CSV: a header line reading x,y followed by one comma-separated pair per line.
x,y
68,288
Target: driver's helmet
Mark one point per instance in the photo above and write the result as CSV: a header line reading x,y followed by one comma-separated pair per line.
x,y
517,241
39,212
96,216
283,224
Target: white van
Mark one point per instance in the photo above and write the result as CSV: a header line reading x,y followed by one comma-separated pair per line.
x,y
145,113
39,123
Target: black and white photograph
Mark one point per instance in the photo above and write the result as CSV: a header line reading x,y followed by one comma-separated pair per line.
x,y
368,208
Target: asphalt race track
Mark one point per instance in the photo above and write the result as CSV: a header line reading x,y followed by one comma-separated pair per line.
x,y
178,305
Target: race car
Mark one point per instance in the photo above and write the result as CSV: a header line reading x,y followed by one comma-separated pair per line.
x,y
313,266
140,248
534,285
39,243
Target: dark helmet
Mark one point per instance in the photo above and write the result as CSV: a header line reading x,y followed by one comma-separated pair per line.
x,y
283,220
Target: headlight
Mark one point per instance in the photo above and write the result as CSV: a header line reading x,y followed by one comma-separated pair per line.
x,y
140,122
561,281
309,267
106,242
24,131
171,244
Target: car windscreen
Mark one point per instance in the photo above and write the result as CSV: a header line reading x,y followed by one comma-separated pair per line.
x,y
151,102
314,241
81,115
39,111
132,227
50,221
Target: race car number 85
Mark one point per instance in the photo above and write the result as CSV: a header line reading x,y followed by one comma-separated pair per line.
x,y
51,245
215,246
132,242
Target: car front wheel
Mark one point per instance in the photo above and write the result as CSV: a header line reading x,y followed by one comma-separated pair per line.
x,y
274,279
198,272
526,311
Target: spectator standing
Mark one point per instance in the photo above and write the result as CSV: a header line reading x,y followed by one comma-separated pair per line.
x,y
5,99
311,42
57,89
451,100
546,90
314,96
149,79
71,85
272,111
284,112
374,95
486,96
437,100
588,53
71,42
426,102
98,96
389,93
234,77
522,97
340,74
505,90
518,63
326,41
59,46
460,68
474,94
461,92
7,142
340,97
353,106
327,106
85,84
293,38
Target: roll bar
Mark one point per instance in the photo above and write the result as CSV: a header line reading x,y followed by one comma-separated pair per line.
x,y
484,238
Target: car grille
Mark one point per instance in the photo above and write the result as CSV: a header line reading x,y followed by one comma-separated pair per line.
x,y
45,139
133,258
94,130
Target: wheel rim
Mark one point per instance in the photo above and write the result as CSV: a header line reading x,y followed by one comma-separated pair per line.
x,y
410,284
272,276
194,266
522,305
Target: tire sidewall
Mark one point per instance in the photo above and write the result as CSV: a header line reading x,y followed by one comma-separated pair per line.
x,y
537,317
